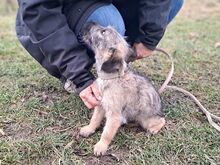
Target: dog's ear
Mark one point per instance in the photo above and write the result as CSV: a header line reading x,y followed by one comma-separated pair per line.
x,y
86,28
113,65
84,36
131,55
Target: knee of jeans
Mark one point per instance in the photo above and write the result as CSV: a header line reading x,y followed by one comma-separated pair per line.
x,y
120,27
179,4
108,15
175,8
116,22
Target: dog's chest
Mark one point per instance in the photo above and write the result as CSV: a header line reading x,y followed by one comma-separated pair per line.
x,y
116,99
105,86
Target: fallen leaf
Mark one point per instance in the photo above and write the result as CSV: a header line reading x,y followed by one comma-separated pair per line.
x,y
45,97
69,144
2,132
217,45
193,35
23,100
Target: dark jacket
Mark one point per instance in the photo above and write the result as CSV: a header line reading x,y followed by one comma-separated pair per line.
x,y
49,31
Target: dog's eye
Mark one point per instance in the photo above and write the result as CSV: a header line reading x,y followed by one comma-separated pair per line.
x,y
103,31
112,50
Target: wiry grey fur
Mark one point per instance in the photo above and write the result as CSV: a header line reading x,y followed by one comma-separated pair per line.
x,y
126,96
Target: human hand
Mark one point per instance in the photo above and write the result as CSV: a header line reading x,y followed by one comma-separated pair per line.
x,y
90,96
141,50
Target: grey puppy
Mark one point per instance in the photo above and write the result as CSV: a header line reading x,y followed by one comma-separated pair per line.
x,y
126,96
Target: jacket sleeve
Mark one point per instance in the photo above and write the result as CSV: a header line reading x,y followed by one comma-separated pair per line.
x,y
59,44
153,19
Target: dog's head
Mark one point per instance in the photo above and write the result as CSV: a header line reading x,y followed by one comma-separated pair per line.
x,y
110,48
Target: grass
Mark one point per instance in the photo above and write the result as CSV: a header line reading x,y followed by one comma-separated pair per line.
x,y
41,121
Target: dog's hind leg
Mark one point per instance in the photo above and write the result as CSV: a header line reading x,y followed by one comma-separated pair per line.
x,y
95,122
152,124
112,124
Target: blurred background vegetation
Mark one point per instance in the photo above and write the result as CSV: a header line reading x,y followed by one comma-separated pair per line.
x,y
8,7
39,121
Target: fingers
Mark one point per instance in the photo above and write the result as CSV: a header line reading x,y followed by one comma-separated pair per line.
x,y
88,105
89,97
89,100
142,51
96,92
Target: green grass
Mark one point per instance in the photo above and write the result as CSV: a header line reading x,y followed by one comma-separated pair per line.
x,y
41,121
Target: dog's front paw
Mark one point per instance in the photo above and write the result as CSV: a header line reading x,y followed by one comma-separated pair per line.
x,y
86,131
100,148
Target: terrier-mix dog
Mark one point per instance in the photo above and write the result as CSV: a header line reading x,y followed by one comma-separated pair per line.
x,y
126,96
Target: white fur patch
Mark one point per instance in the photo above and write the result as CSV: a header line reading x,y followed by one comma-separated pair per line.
x,y
123,120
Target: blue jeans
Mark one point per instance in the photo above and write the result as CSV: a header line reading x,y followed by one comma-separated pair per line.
x,y
109,15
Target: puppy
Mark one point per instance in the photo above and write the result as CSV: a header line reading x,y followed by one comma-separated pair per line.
x,y
126,96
